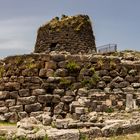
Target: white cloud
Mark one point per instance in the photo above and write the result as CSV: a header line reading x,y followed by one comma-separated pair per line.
x,y
14,44
18,33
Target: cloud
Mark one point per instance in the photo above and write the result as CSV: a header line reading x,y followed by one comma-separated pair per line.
x,y
18,33
4,40
13,44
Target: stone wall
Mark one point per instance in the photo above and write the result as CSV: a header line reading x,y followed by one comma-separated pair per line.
x,y
65,85
72,34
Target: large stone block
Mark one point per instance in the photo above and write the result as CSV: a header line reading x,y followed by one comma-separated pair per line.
x,y
110,130
4,94
82,92
59,91
63,134
79,110
58,109
2,117
17,108
56,99
46,119
37,114
37,92
3,109
123,84
11,117
62,123
42,72
67,99
21,79
2,103
58,57
24,92
50,73
31,86
10,86
136,85
33,107
13,94
61,72
26,100
50,65
10,102
45,98
101,85
107,78
130,78
114,73
91,133
129,101
53,79
22,115
36,80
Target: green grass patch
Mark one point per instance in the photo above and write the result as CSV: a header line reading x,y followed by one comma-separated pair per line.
x,y
72,67
109,110
2,138
7,124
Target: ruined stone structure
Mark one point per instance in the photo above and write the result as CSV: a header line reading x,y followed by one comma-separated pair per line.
x,y
64,84
66,95
72,34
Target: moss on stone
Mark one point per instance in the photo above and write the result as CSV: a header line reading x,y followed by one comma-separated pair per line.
x,y
72,66
1,71
69,21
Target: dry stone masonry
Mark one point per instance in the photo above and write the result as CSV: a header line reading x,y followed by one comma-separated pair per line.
x,y
65,91
72,34
66,85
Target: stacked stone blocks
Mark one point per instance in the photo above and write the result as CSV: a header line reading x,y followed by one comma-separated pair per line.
x,y
65,85
71,34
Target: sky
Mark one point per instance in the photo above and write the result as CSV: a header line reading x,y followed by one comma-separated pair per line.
x,y
113,21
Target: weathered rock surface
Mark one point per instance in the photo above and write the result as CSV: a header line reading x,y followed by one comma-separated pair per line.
x,y
62,30
63,134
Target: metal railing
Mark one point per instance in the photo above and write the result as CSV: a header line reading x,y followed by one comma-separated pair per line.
x,y
107,48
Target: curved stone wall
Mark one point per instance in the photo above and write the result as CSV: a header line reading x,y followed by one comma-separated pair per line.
x,y
72,34
65,85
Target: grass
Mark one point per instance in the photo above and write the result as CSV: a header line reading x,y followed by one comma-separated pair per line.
x,y
72,66
92,81
65,83
46,138
7,124
78,28
92,70
84,137
1,71
68,21
2,138
18,60
109,110
100,62
30,63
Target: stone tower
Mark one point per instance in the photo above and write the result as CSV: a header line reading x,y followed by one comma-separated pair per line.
x,y
70,33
